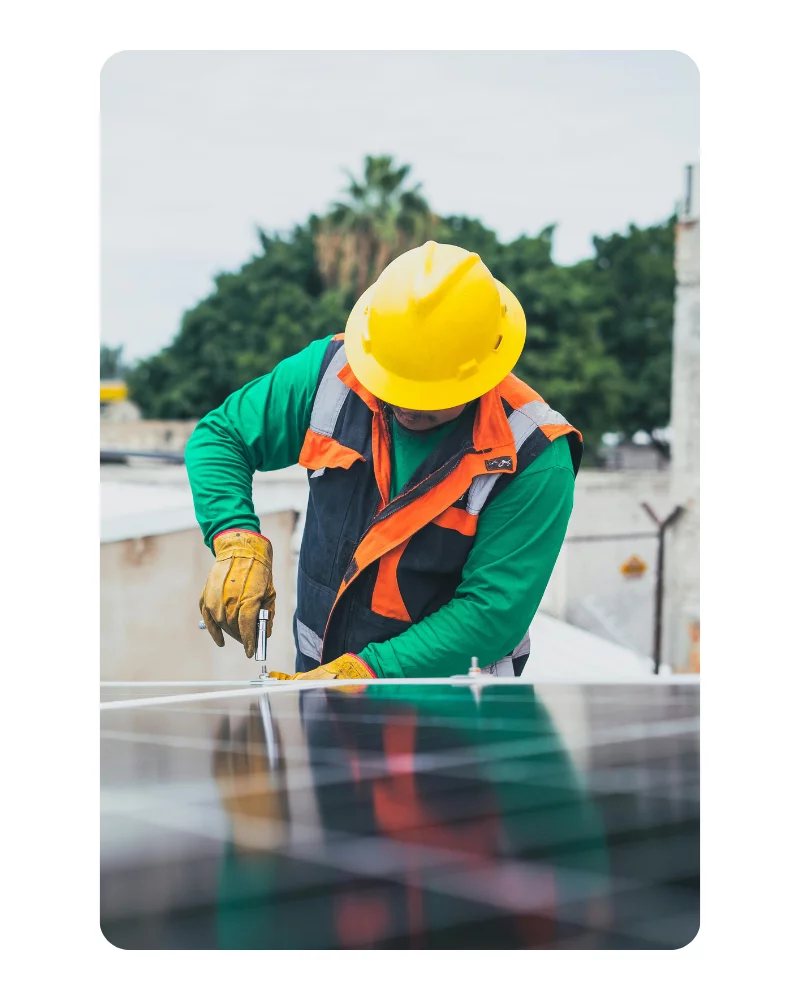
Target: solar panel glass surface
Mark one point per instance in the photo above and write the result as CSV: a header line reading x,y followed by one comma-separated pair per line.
x,y
405,815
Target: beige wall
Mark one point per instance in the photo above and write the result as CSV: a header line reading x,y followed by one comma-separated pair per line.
x,y
683,570
150,586
149,591
587,588
146,435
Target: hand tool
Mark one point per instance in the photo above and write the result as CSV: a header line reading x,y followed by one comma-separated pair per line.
x,y
261,645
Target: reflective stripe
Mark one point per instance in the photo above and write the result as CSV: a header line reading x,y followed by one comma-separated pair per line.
x,y
330,397
540,413
523,649
523,422
505,667
308,642
501,668
480,490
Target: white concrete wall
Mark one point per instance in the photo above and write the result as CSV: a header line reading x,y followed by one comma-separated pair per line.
x,y
587,588
154,565
120,411
149,592
145,435
683,569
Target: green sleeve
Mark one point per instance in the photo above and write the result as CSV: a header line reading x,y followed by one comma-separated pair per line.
x,y
259,427
516,546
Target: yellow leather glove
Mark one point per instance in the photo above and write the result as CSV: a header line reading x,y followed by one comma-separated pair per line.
x,y
238,586
347,666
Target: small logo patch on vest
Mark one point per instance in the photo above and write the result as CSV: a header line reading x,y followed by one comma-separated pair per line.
x,y
495,464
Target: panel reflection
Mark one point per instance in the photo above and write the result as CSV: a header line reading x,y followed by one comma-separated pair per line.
x,y
403,816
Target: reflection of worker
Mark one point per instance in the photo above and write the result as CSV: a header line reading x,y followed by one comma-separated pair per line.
x,y
440,485
470,789
249,770
447,822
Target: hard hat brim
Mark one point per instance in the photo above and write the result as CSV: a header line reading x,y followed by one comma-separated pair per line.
x,y
417,394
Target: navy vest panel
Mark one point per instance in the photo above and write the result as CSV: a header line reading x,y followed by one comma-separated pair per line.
x,y
341,507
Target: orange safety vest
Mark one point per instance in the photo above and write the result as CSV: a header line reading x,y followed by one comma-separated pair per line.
x,y
371,566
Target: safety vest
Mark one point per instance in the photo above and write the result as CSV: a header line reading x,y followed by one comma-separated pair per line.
x,y
371,567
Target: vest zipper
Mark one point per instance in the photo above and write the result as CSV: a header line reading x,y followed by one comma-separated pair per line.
x,y
386,512
377,518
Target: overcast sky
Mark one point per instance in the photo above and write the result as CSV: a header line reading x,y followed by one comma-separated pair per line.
x,y
200,147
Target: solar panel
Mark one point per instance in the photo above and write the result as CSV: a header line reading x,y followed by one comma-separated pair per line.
x,y
403,815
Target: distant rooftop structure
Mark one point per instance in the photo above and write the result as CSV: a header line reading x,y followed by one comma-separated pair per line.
x,y
689,208
148,499
628,456
115,406
683,557
112,390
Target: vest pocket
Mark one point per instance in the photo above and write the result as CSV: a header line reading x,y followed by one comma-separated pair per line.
x,y
314,603
365,626
331,516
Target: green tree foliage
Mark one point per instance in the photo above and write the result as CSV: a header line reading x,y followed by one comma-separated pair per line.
x,y
564,358
273,307
599,332
111,363
632,277
380,219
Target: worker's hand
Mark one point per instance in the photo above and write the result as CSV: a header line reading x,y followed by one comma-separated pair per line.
x,y
344,667
238,586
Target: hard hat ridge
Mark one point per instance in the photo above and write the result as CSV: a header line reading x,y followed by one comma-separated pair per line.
x,y
435,278
435,330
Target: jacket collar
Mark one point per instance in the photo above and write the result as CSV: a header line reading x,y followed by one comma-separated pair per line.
x,y
491,431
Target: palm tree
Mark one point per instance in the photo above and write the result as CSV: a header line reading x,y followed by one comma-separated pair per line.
x,y
380,220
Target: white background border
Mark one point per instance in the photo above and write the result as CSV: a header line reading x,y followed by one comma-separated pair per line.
x,y
50,67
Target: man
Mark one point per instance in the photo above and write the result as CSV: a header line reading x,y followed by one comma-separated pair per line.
x,y
440,484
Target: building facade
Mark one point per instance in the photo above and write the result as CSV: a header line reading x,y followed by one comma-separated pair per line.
x,y
682,637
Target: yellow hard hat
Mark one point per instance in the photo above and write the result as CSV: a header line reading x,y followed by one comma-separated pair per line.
x,y
435,330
